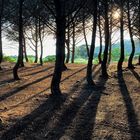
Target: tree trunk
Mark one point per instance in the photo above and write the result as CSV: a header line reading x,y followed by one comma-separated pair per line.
x,y
104,62
92,47
64,67
130,65
1,51
68,44
68,51
85,37
120,63
110,37
20,55
24,49
1,15
41,43
73,45
60,46
36,41
100,34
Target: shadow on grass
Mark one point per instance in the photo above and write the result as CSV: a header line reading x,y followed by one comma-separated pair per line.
x,y
132,117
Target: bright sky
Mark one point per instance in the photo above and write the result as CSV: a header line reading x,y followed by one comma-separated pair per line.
x,y
11,48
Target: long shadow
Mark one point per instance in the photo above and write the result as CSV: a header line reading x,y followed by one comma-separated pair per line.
x,y
132,117
80,81
71,111
75,85
50,106
87,117
135,74
78,72
21,69
43,114
40,71
6,81
10,70
8,94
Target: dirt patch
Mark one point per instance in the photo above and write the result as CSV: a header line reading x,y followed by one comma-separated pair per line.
x,y
108,111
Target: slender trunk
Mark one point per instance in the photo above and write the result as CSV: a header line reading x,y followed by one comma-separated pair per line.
x,y
110,38
139,31
120,63
68,44
1,15
24,49
41,43
92,47
100,34
85,37
73,45
130,65
1,51
20,57
36,41
104,62
60,46
64,67
68,51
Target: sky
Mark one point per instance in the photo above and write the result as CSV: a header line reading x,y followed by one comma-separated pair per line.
x,y
11,48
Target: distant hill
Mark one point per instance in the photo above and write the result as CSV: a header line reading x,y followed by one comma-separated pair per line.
x,y
127,47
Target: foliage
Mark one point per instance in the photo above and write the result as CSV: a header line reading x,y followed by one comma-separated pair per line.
x,y
9,58
50,58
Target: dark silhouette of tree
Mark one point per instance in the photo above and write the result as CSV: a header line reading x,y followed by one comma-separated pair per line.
x,y
60,45
100,35
130,65
92,47
106,28
20,54
73,42
121,5
1,16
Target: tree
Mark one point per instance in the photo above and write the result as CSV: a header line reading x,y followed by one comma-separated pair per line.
x,y
100,35
121,35
1,16
106,28
60,45
20,54
92,47
130,65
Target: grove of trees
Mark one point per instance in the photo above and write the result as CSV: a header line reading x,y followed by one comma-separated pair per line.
x,y
31,20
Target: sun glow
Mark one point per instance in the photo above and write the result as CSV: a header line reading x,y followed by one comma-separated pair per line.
x,y
116,15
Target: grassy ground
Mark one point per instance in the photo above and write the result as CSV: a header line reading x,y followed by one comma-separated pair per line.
x,y
109,111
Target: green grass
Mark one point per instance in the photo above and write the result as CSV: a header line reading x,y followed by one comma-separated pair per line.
x,y
78,60
9,59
